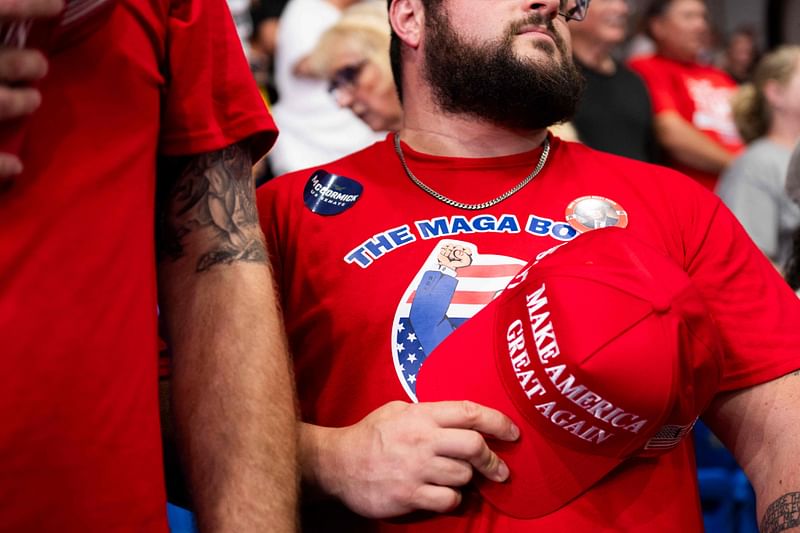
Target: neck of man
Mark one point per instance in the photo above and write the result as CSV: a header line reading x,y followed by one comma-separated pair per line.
x,y
593,54
428,129
675,54
467,137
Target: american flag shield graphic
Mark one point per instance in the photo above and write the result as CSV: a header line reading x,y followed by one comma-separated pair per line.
x,y
453,284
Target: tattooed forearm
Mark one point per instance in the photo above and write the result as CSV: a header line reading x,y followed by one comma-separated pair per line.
x,y
210,210
782,514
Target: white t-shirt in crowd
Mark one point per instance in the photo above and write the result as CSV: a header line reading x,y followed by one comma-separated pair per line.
x,y
313,128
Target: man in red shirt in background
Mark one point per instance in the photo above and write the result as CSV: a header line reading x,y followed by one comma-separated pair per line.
x,y
691,101
137,93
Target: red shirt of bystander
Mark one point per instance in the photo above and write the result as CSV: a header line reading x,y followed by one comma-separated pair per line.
x,y
80,437
700,94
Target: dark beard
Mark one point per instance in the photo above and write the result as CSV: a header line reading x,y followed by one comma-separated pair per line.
x,y
490,82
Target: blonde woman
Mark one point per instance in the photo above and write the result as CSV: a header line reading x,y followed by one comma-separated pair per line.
x,y
353,56
767,114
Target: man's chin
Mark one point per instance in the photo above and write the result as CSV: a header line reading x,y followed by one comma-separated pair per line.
x,y
536,47
538,54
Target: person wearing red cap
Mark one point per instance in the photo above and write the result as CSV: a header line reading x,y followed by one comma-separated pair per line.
x,y
137,93
385,256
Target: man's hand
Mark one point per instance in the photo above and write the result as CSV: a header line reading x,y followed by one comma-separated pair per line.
x,y
20,67
455,256
405,457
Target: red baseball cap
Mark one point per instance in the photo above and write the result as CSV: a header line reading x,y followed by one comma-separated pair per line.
x,y
600,351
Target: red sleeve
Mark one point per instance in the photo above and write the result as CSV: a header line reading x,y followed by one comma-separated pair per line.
x,y
660,84
756,311
211,100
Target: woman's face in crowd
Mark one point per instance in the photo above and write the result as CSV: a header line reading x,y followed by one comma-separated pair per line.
x,y
793,91
784,97
365,86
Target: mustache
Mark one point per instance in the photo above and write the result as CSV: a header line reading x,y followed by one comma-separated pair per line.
x,y
543,21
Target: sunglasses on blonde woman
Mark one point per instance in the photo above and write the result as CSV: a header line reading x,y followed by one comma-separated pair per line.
x,y
573,9
345,78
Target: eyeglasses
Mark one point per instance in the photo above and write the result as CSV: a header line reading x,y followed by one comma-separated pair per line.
x,y
573,9
346,77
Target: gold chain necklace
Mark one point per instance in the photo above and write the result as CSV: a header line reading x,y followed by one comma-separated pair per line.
x,y
472,207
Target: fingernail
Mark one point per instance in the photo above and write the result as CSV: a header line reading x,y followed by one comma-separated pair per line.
x,y
502,472
514,432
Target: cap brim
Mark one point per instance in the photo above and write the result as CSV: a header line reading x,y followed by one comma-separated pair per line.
x,y
544,475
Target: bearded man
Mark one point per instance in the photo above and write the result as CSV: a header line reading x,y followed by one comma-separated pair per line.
x,y
421,231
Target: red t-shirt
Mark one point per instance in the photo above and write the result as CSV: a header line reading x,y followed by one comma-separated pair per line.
x,y
80,439
700,94
365,298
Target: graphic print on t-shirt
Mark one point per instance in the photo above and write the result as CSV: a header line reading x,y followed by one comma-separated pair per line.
x,y
712,108
453,284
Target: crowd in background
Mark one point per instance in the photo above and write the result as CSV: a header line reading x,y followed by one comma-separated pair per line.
x,y
664,85
81,299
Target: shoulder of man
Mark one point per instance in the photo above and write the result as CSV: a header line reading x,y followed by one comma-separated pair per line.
x,y
638,174
367,163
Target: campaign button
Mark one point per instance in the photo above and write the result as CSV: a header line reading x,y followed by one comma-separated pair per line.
x,y
331,194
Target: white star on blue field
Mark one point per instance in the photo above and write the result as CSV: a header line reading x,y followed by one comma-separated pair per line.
x,y
410,355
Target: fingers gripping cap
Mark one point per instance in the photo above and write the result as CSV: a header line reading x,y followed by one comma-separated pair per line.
x,y
593,352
